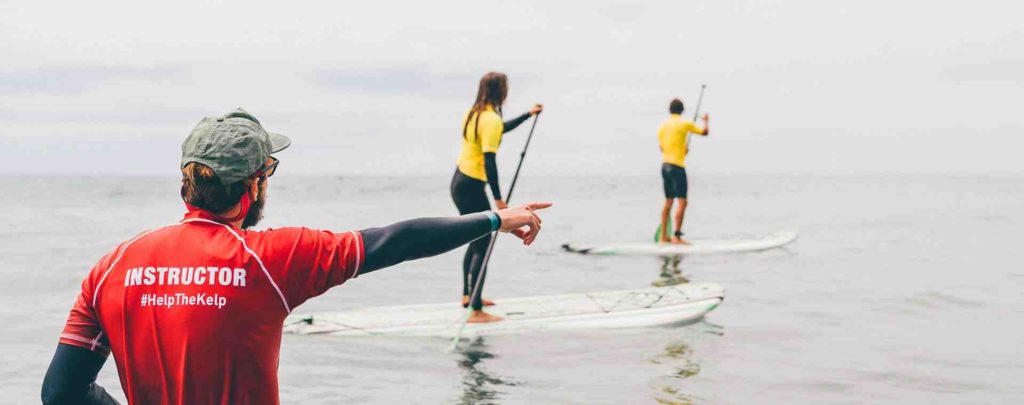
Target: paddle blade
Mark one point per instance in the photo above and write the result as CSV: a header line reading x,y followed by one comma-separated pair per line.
x,y
657,233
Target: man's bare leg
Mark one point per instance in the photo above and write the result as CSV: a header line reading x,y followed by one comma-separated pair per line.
x,y
665,211
680,212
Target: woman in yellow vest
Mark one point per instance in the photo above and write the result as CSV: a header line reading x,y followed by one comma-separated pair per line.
x,y
482,127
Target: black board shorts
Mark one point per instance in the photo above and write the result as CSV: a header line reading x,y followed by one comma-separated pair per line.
x,y
674,179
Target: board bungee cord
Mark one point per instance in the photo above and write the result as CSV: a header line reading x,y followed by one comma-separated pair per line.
x,y
490,247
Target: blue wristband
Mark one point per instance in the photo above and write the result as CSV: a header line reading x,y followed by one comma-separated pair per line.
x,y
495,221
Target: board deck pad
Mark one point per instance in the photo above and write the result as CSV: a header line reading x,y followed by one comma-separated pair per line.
x,y
662,306
696,246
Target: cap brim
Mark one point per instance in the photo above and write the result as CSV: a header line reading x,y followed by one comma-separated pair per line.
x,y
278,142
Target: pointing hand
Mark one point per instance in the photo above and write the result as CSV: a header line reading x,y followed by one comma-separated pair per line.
x,y
522,221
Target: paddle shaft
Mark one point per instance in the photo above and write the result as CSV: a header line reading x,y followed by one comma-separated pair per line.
x,y
490,247
696,111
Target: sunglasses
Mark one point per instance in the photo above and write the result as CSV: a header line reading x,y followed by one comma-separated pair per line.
x,y
269,169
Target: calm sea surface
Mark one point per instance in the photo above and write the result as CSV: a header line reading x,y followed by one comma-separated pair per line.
x,y
904,289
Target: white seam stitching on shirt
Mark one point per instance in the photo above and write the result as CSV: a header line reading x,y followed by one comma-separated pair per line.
x,y
359,254
83,340
255,256
96,290
96,341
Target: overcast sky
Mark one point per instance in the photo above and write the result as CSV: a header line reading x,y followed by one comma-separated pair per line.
x,y
379,87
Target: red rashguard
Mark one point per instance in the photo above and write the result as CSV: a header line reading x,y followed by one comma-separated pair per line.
x,y
193,312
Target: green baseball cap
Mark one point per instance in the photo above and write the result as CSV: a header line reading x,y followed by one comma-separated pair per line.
x,y
234,146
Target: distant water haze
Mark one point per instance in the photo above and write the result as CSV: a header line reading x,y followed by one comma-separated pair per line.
x,y
379,88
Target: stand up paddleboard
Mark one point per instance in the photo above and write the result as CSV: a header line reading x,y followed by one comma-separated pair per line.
x,y
663,306
696,246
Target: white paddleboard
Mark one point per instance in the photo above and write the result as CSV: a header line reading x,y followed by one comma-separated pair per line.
x,y
696,246
645,307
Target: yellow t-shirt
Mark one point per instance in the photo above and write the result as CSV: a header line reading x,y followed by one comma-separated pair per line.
x,y
483,135
672,138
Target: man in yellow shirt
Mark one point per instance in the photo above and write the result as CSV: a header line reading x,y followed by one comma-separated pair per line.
x,y
674,142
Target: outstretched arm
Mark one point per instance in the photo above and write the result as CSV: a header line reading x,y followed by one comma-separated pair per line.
x,y
513,123
71,378
425,237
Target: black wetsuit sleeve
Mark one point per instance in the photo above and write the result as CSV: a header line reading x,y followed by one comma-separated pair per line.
x,y
71,378
513,123
491,168
419,238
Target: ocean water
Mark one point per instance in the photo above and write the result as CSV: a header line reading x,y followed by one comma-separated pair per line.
x,y
901,289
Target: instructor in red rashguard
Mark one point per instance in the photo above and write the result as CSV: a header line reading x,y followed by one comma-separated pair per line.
x,y
193,311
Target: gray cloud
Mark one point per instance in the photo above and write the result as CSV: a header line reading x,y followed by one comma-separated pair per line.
x,y
76,79
793,86
137,116
1006,71
394,81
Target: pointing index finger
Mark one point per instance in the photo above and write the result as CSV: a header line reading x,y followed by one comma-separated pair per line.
x,y
538,205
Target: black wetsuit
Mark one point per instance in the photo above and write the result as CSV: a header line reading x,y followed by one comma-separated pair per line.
x,y
469,197
71,377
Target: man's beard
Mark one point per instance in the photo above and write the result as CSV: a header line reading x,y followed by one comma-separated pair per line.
x,y
255,213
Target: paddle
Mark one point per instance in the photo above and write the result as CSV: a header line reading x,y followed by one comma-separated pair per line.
x,y
490,247
696,111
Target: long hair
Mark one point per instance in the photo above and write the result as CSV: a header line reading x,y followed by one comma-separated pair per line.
x,y
492,91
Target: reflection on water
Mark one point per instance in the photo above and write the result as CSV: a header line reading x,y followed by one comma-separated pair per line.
x,y
670,273
478,386
679,354
671,264
679,360
712,328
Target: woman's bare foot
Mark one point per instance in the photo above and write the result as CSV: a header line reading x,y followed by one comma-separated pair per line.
x,y
483,317
679,241
465,302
